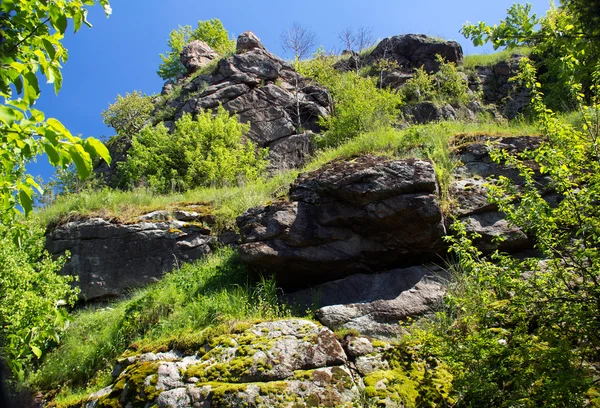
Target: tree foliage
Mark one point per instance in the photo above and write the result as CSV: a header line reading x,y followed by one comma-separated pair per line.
x,y
446,85
129,113
206,151
211,32
31,44
524,332
32,298
565,44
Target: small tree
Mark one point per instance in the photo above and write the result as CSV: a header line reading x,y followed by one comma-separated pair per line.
x,y
211,32
298,40
129,113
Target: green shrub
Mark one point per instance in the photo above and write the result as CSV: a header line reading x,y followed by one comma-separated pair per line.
x,y
359,105
447,85
524,332
32,296
206,151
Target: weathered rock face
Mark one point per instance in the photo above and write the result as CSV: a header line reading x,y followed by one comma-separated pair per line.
x,y
416,50
111,258
426,112
494,82
288,363
280,105
197,54
271,364
374,304
470,194
361,215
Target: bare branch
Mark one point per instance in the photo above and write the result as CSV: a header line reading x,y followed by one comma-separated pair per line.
x,y
364,38
298,40
348,39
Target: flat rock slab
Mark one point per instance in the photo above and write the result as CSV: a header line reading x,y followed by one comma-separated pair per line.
x,y
353,216
110,259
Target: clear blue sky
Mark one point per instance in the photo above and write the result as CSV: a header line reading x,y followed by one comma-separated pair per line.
x,y
120,54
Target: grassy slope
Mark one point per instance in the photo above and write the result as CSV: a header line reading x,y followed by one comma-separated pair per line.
x,y
488,60
426,141
198,299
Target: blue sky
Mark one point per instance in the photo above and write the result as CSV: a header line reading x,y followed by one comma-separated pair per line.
x,y
120,54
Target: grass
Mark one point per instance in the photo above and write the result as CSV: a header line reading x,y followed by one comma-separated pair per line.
x,y
429,141
488,60
207,298
181,311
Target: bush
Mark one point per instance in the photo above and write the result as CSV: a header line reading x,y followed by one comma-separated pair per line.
x,y
129,114
359,105
32,295
206,151
211,32
447,85
527,329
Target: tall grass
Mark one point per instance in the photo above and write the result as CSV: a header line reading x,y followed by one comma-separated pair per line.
x,y
177,312
488,60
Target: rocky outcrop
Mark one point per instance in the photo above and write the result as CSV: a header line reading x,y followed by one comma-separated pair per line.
x,y
287,363
360,215
281,106
272,364
470,195
197,54
510,97
412,51
374,304
110,258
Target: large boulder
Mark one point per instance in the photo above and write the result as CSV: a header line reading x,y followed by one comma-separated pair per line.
x,y
412,51
197,54
351,216
110,258
374,304
280,105
272,364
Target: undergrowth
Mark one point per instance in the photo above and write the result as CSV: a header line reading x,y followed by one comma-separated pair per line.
x,y
181,311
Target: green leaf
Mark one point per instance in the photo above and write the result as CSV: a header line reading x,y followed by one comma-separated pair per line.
x,y
7,115
50,50
61,23
96,148
57,78
82,160
36,350
58,127
30,87
26,201
53,156
7,5
77,19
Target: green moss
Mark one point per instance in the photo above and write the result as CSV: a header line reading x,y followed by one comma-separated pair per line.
x,y
132,383
391,385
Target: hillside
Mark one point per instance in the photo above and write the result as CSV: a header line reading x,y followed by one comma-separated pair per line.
x,y
395,227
